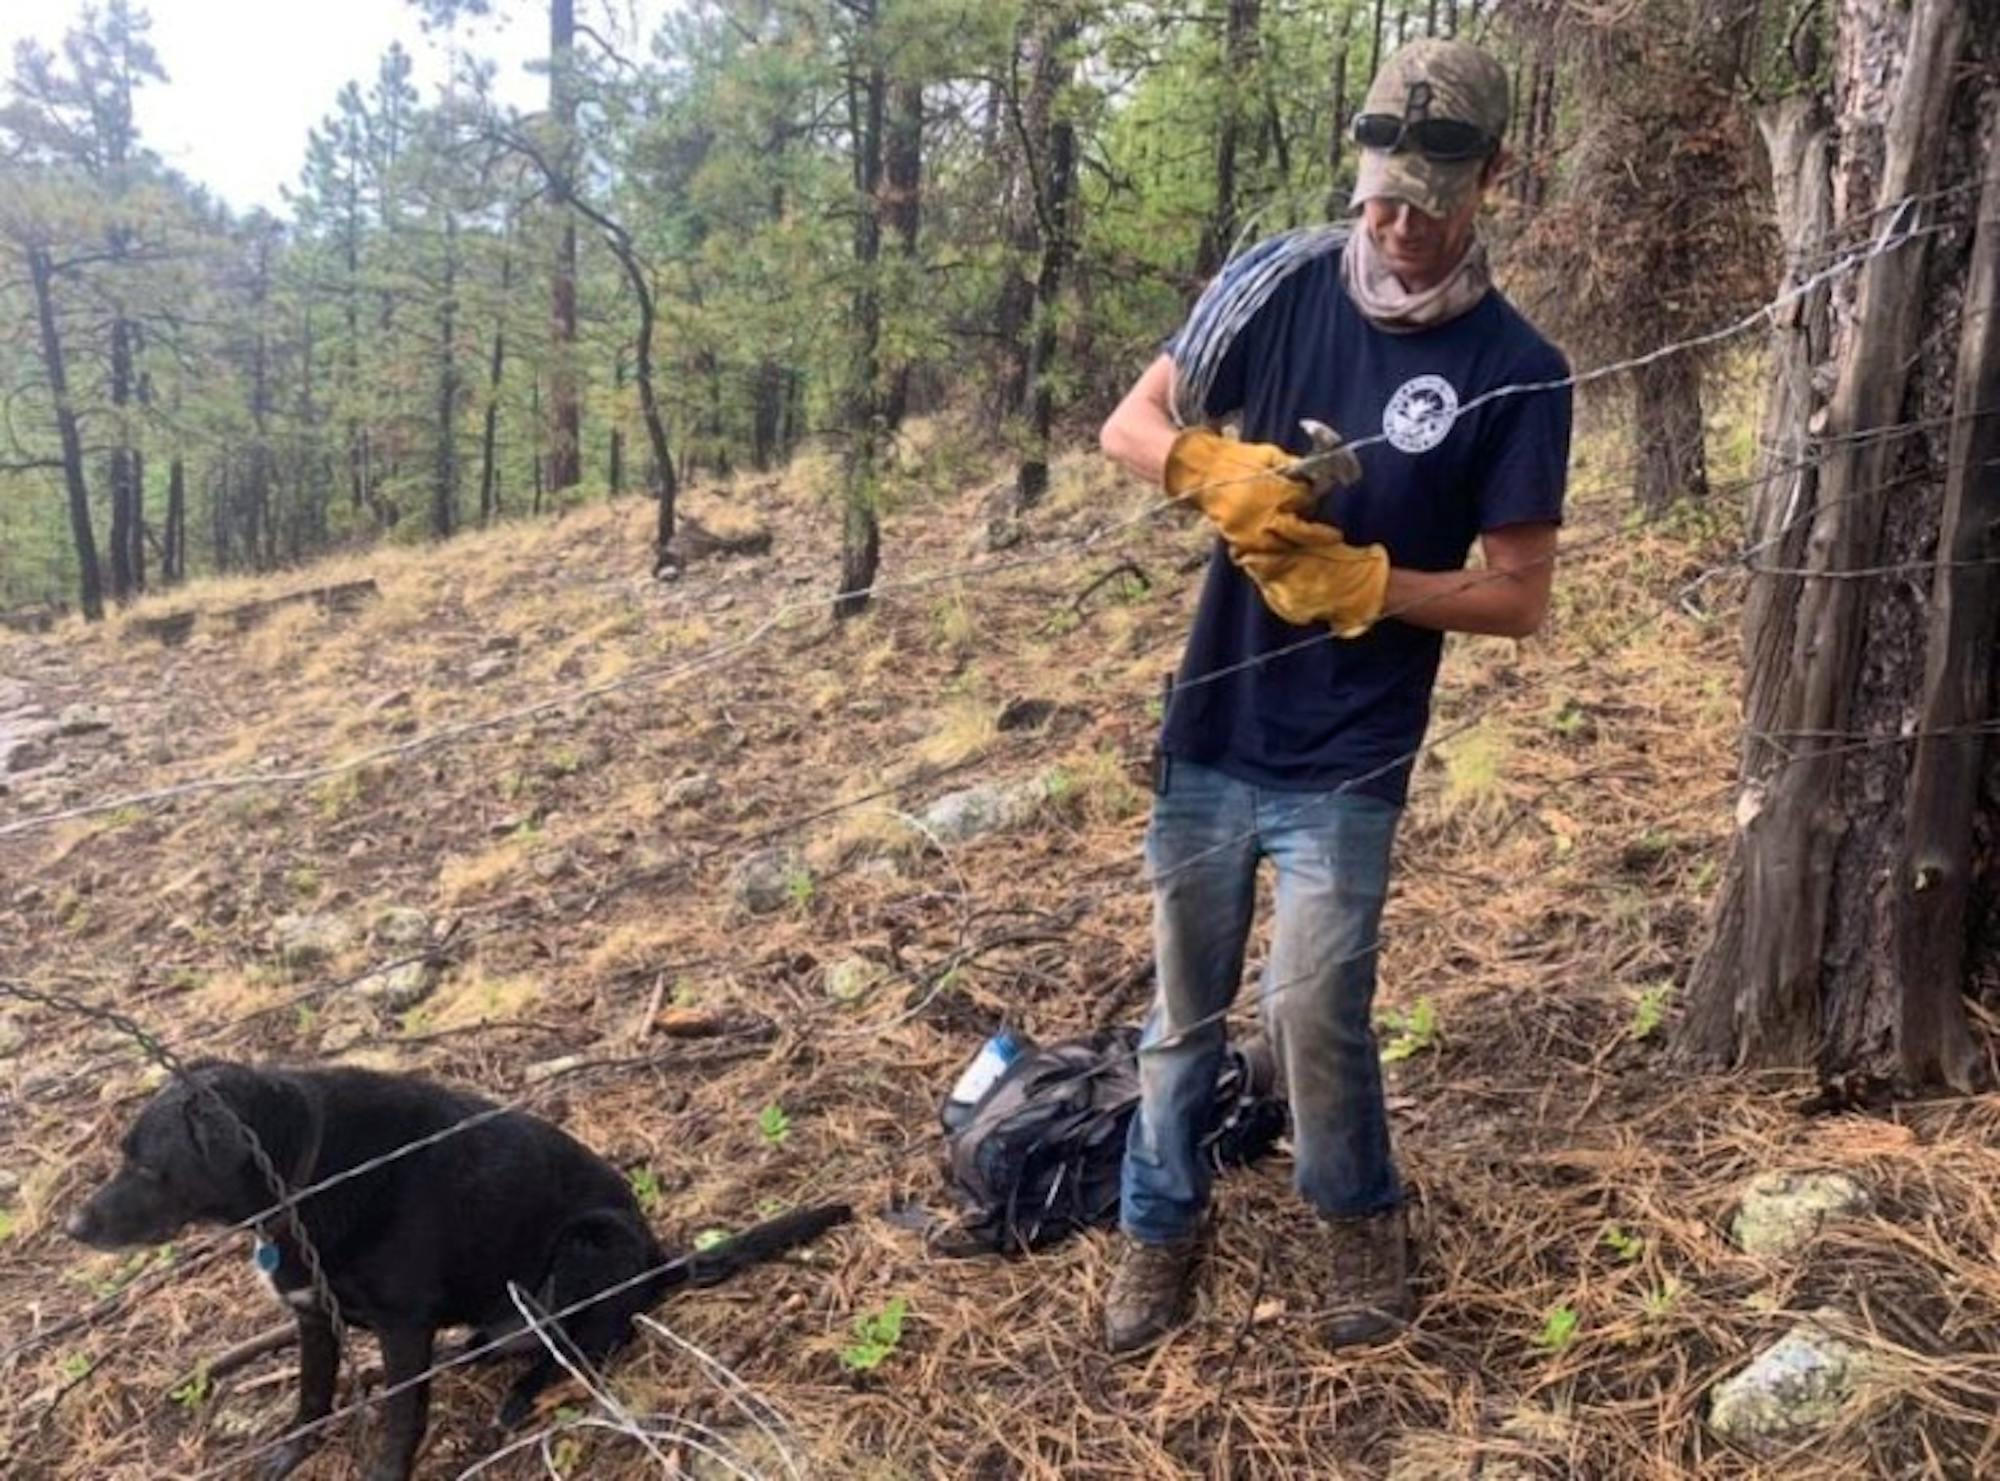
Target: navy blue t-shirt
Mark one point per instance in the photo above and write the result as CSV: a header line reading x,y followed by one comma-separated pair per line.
x,y
1350,711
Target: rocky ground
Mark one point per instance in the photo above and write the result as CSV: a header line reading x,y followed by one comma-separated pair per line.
x,y
731,892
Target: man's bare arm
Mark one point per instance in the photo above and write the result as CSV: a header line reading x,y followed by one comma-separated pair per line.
x,y
1509,599
1139,434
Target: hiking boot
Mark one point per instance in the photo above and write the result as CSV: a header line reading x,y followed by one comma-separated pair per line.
x,y
1149,1293
1370,1271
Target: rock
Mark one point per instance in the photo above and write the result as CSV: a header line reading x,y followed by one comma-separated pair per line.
x,y
1025,713
399,987
550,867
851,978
342,1035
769,880
82,719
1781,1212
307,942
693,791
25,743
501,643
13,1038
1793,1389
400,928
987,808
548,1069
488,669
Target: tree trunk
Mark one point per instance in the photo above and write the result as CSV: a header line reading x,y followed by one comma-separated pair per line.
x,y
1825,951
537,459
259,539
767,415
90,585
173,556
860,526
566,434
1666,410
614,452
1028,125
1239,65
444,492
138,557
1375,46
357,437
1937,869
1336,143
902,212
123,493
489,433
1058,193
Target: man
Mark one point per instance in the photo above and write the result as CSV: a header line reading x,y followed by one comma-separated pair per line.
x,y
1305,689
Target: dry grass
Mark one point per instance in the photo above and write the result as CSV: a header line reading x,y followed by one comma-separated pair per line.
x,y
1555,866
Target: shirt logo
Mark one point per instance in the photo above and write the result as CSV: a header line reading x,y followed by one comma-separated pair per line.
x,y
1420,414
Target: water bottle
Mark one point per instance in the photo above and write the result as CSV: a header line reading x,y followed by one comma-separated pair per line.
x,y
978,1077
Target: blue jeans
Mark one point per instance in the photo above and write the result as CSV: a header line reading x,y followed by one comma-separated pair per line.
x,y
1331,851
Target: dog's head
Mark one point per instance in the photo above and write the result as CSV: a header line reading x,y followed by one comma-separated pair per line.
x,y
185,1160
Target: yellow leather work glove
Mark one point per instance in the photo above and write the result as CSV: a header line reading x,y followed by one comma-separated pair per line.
x,y
1308,573
1236,484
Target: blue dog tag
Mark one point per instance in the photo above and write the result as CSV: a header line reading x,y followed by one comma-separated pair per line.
x,y
266,1256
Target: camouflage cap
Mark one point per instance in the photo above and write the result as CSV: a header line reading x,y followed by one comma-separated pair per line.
x,y
1432,78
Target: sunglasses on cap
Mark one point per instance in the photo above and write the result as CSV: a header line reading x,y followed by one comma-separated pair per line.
x,y
1443,139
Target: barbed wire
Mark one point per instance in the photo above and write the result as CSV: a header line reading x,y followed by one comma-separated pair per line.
x,y
1888,240
1434,741
1271,992
289,1198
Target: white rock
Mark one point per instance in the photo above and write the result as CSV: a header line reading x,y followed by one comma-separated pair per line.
x,y
399,987
1792,1390
402,927
1781,1212
306,942
767,880
989,807
548,1069
693,791
82,719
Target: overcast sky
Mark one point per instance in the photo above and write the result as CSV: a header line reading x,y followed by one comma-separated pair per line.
x,y
248,78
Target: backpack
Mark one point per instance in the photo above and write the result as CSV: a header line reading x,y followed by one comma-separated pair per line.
x,y
1040,1155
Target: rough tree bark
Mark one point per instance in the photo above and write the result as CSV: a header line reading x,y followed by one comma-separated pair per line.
x,y
860,526
1057,180
173,555
496,365
444,488
902,212
1840,937
1667,426
1241,21
566,410
90,581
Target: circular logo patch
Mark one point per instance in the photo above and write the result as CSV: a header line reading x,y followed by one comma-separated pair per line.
x,y
1420,414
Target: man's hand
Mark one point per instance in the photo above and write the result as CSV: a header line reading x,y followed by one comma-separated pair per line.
x,y
1308,574
1243,486
1238,485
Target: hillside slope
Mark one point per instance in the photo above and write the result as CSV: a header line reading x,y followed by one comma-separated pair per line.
x,y
676,859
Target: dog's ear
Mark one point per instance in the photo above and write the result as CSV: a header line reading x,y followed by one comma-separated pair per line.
x,y
215,1126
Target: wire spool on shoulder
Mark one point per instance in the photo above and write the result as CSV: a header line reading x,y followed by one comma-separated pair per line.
x,y
1230,301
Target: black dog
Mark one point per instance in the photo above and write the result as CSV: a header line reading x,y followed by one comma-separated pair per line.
x,y
432,1239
